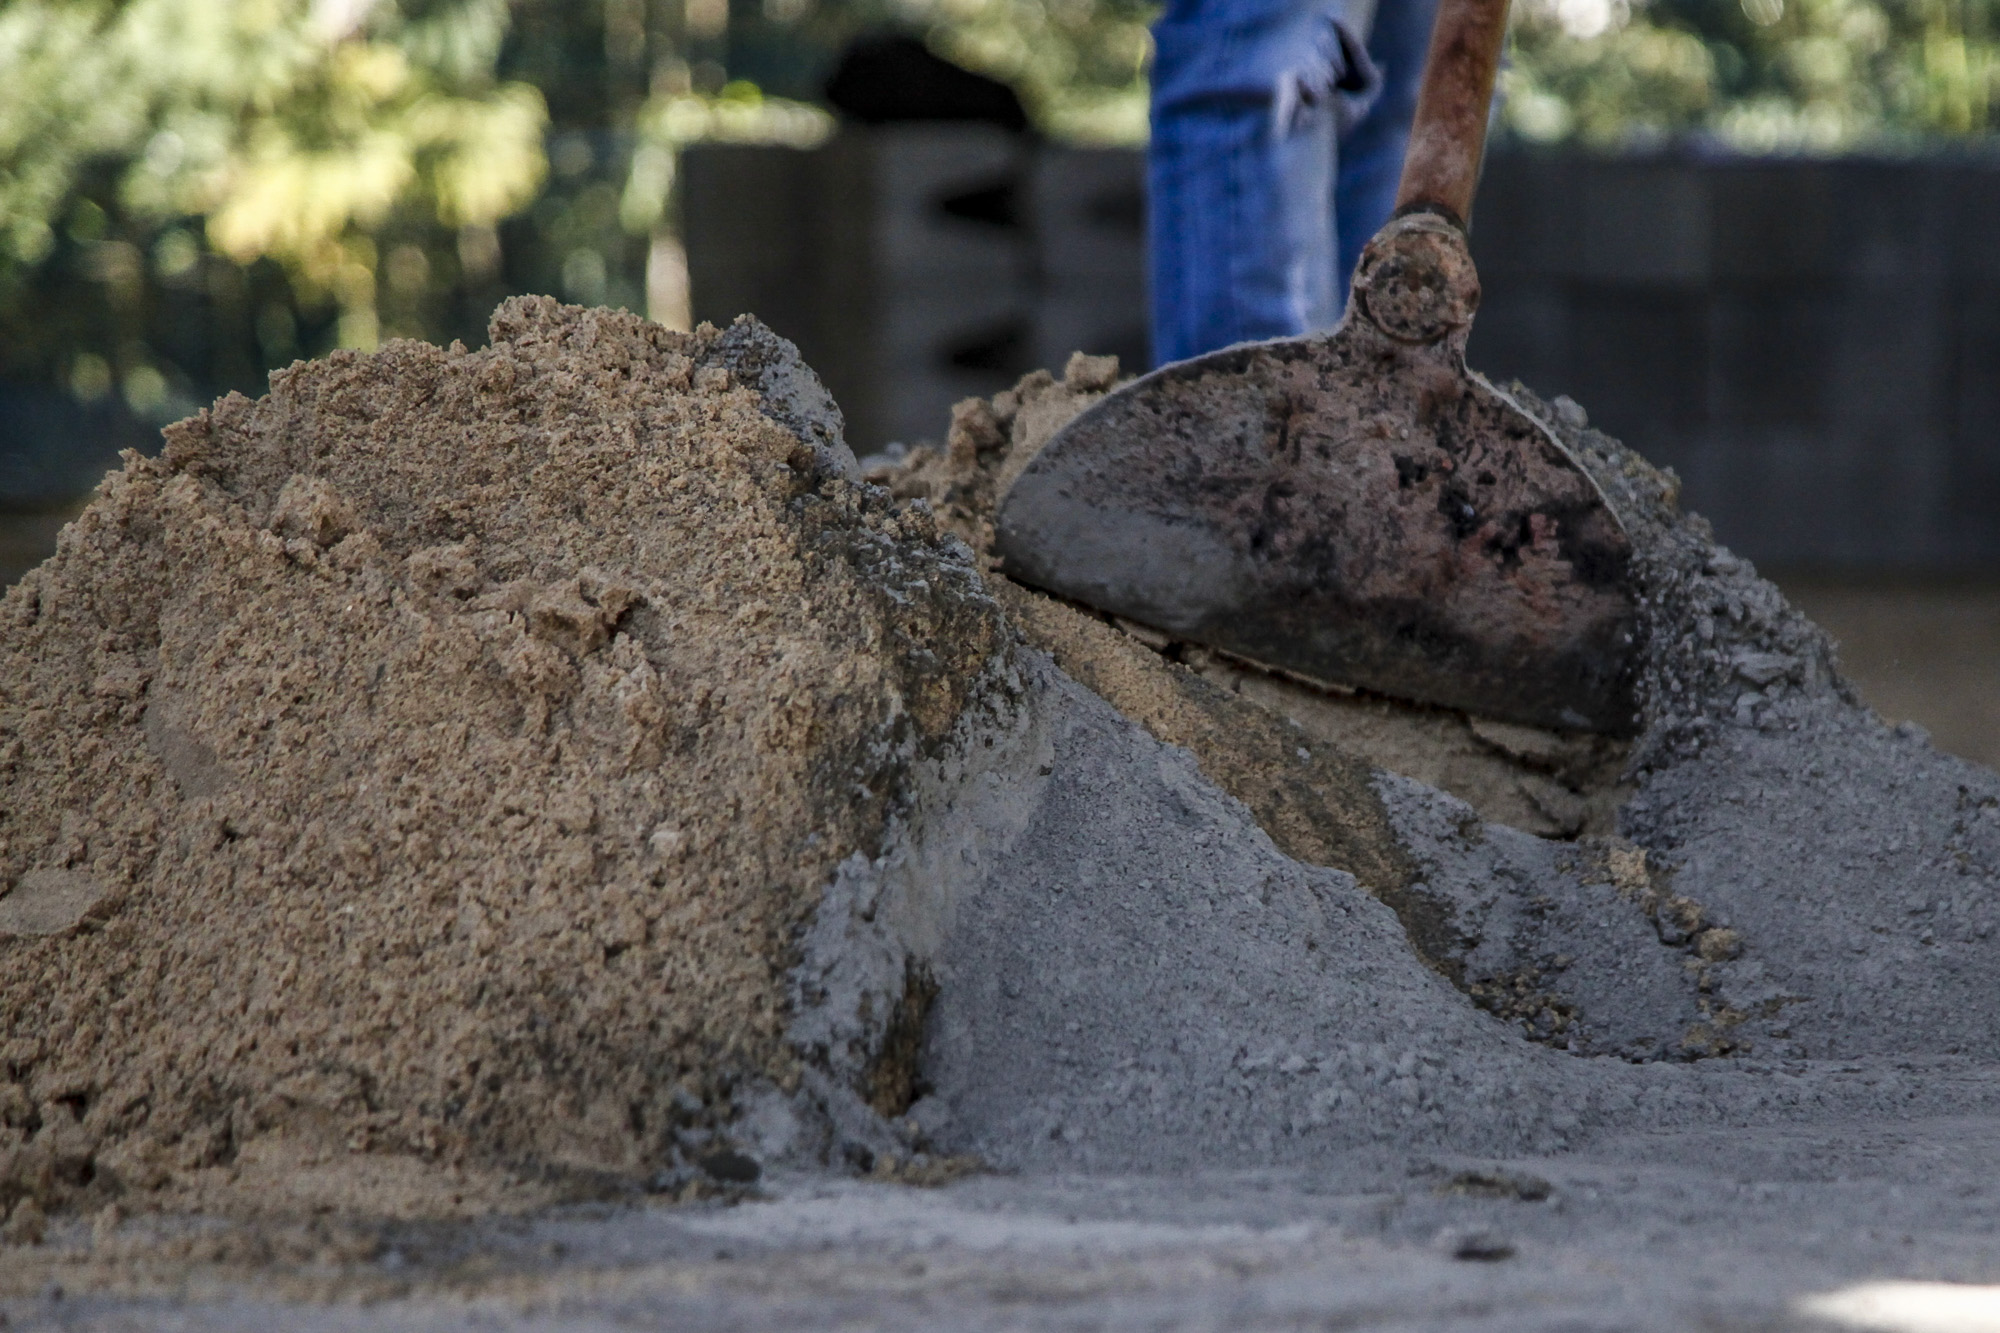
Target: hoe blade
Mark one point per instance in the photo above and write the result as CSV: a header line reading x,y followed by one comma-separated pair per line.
x,y
1357,508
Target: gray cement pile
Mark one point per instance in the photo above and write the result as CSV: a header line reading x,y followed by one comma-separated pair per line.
x,y
1132,975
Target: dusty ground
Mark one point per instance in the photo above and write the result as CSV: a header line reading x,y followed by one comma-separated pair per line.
x,y
1922,650
1860,1225
1862,1218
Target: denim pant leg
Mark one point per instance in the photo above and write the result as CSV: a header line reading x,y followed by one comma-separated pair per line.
x,y
1248,100
1371,154
1241,224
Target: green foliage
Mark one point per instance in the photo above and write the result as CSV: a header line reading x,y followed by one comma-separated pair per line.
x,y
294,131
193,191
1755,74
1080,65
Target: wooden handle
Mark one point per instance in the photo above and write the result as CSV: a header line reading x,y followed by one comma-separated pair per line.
x,y
1448,136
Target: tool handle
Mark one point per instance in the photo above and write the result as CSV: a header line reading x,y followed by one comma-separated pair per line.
x,y
1448,136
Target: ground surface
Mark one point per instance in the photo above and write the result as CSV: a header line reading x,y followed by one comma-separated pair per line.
x,y
1922,651
1721,1230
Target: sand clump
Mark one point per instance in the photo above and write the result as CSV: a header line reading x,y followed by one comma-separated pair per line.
x,y
441,757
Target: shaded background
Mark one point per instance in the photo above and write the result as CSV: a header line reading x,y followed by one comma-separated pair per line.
x,y
1758,239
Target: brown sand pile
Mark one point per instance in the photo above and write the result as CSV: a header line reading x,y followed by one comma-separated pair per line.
x,y
438,757
1538,781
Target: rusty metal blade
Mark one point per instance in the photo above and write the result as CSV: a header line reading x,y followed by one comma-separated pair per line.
x,y
1356,507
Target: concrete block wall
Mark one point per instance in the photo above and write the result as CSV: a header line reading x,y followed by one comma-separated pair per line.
x,y
918,265
1813,345
899,259
1089,230
54,448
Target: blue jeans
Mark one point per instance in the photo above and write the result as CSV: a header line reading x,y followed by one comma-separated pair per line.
x,y
1277,142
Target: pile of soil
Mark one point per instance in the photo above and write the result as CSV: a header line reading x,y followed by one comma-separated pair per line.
x,y
441,757
1291,921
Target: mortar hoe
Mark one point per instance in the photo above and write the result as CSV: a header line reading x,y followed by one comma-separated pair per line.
x,y
1356,507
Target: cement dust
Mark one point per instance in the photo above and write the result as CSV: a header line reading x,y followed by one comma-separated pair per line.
x,y
413,783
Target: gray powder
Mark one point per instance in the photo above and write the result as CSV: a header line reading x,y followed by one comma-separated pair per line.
x,y
1130,976
1862,869
1858,865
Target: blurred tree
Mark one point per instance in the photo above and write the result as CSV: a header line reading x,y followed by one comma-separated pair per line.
x,y
1079,65
151,147
1760,75
193,191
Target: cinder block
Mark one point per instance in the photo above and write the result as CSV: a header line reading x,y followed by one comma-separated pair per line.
x,y
1813,345
1881,488
1736,478
747,247
1522,222
1523,332
1782,496
1889,361
1639,360
1973,504
1853,497
933,350
54,448
1100,321
1890,225
1972,200
1773,222
915,407
912,331
1090,217
950,201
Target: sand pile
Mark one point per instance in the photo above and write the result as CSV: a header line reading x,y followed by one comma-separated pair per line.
x,y
442,756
